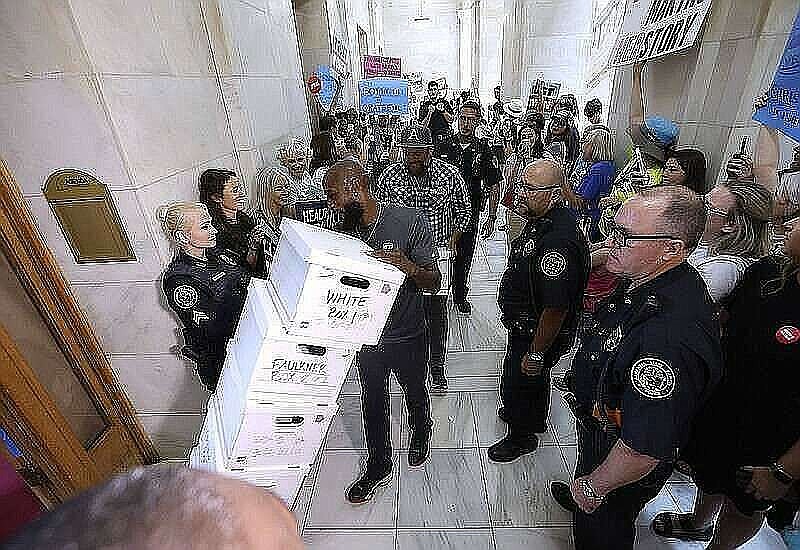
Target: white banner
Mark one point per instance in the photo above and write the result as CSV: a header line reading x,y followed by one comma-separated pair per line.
x,y
654,28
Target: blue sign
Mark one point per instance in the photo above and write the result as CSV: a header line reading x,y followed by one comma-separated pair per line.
x,y
13,450
383,96
782,111
328,81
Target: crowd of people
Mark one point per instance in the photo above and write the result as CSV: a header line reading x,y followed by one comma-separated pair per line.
x,y
679,299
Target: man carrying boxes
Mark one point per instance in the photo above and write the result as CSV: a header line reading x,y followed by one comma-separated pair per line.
x,y
401,237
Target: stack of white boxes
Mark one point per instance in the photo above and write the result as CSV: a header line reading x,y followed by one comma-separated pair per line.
x,y
296,340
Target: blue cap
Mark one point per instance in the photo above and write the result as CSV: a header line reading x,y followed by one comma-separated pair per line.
x,y
655,135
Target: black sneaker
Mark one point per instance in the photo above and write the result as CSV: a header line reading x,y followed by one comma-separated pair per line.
x,y
438,383
562,494
503,414
464,307
418,450
363,489
508,449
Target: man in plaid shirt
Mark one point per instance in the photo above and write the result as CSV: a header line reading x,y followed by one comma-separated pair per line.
x,y
437,189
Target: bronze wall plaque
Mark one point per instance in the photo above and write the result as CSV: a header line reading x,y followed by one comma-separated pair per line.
x,y
88,217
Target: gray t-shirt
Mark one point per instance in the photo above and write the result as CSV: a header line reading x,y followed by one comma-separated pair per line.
x,y
408,230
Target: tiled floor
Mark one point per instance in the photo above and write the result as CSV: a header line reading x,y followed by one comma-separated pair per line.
x,y
460,499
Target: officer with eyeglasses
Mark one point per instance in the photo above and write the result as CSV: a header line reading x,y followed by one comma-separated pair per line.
x,y
647,365
540,298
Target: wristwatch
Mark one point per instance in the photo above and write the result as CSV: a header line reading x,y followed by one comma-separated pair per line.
x,y
536,356
780,474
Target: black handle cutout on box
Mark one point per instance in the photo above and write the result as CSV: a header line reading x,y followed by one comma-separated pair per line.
x,y
311,350
356,282
288,420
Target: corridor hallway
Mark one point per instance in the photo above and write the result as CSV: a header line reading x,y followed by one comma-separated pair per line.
x,y
459,499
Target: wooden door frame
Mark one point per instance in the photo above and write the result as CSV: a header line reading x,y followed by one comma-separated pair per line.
x,y
44,282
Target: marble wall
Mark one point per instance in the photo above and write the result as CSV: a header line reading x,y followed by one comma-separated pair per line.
x,y
144,95
547,39
430,46
709,89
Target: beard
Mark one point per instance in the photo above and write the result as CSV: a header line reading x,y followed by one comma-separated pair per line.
x,y
352,216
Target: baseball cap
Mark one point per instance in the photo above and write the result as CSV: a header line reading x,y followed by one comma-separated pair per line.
x,y
416,135
655,135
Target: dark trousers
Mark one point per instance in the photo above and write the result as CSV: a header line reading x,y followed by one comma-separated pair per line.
x,y
436,322
465,250
526,399
408,361
613,525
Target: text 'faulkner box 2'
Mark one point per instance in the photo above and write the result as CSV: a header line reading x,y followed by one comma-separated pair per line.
x,y
270,360
328,287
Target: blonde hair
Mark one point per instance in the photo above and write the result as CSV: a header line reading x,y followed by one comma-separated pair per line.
x,y
175,216
749,219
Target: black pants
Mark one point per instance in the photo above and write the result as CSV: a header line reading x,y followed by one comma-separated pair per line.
x,y
526,399
408,361
613,525
436,321
465,251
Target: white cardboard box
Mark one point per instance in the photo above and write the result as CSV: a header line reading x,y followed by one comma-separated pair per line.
x,y
269,360
283,481
328,287
259,429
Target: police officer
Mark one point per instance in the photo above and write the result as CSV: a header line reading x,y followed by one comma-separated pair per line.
x,y
205,288
650,361
540,299
481,171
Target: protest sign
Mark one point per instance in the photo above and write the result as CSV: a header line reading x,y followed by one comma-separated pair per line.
x,y
543,96
654,28
328,88
317,213
782,111
383,96
375,65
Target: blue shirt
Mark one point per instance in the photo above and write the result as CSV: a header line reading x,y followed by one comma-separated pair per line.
x,y
595,185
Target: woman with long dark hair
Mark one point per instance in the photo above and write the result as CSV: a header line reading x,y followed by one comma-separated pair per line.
x,y
686,167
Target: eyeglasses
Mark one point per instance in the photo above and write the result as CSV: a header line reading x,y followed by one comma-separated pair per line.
x,y
469,119
622,238
673,167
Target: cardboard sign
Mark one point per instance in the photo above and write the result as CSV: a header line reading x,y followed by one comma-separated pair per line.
x,y
317,213
782,111
328,90
383,96
375,65
543,96
654,28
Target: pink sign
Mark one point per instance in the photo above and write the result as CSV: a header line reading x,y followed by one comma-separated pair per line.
x,y
375,65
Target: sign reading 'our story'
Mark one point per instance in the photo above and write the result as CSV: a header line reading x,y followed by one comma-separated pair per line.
x,y
655,28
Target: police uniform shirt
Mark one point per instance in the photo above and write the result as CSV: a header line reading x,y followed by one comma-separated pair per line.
x,y
653,356
405,229
478,163
207,296
548,268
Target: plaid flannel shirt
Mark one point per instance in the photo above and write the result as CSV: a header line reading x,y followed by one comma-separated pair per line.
x,y
440,194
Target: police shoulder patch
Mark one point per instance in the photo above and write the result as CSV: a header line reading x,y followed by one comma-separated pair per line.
x,y
185,296
553,264
653,378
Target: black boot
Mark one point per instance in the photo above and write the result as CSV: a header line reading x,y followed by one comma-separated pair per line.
x,y
509,449
363,489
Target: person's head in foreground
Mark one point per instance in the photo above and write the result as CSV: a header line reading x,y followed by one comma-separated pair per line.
x,y
655,231
166,508
221,191
686,167
188,226
347,187
543,186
